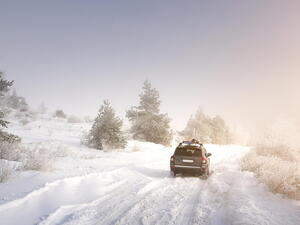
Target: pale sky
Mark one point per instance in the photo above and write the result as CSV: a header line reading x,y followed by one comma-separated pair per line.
x,y
239,59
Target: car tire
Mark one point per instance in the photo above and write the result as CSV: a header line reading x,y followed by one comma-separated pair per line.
x,y
206,173
173,173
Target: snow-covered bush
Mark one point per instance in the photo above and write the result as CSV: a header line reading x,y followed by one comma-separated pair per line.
x,y
74,119
7,137
87,119
135,148
5,171
32,157
148,124
84,140
277,167
37,158
24,121
16,102
10,151
106,131
60,114
276,160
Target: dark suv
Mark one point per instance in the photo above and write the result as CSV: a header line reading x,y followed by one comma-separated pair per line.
x,y
190,157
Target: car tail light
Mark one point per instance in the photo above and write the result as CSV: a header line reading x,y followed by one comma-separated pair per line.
x,y
172,158
203,160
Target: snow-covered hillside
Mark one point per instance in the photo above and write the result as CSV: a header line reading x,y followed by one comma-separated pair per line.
x,y
132,186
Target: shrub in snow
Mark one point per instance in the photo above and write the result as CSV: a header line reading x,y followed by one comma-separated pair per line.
x,y
276,158
7,137
278,167
135,148
33,157
207,129
88,119
106,130
74,119
14,101
60,114
10,151
24,121
5,171
148,124
36,158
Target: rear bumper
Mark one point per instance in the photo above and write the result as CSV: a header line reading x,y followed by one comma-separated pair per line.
x,y
187,169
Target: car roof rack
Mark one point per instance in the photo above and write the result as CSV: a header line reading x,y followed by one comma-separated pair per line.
x,y
193,143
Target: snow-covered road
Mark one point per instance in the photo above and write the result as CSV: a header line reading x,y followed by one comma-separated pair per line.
x,y
135,187
143,192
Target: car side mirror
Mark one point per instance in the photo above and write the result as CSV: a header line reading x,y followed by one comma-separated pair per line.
x,y
208,154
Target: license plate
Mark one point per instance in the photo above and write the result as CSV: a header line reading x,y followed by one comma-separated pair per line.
x,y
187,160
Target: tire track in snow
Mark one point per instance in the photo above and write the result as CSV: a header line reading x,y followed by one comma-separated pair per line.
x,y
164,203
88,213
150,204
40,203
117,206
213,200
187,209
202,204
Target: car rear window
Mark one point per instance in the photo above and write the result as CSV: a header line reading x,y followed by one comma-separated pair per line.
x,y
188,152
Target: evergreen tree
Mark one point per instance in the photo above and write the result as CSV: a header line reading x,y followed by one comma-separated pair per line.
x,y
206,129
220,132
13,100
4,88
16,102
106,130
148,124
198,127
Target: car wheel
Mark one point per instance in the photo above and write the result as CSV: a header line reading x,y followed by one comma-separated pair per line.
x,y
206,174
173,173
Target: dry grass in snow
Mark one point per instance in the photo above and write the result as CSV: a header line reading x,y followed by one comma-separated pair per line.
x,y
276,160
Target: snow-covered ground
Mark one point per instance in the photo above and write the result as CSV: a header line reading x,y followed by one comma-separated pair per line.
x,y
133,186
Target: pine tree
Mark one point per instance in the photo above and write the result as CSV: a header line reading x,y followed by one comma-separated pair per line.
x,y
148,124
4,88
4,136
221,134
106,130
198,127
13,100
16,102
206,129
